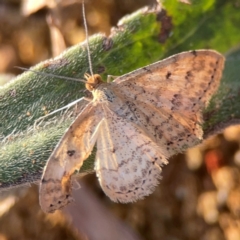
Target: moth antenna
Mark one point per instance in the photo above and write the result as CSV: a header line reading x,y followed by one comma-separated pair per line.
x,y
51,74
86,32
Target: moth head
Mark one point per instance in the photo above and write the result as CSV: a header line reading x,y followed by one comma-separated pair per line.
x,y
92,81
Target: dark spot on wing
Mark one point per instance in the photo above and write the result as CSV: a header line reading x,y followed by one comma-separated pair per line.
x,y
194,53
43,180
147,70
168,75
70,153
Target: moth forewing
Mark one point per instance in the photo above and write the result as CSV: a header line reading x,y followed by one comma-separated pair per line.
x,y
74,147
170,95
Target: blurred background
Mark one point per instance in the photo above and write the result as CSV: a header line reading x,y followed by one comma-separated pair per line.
x,y
199,195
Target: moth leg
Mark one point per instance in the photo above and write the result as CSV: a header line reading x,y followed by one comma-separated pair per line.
x,y
110,78
60,109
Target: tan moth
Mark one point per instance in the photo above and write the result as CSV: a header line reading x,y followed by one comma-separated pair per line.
x,y
137,122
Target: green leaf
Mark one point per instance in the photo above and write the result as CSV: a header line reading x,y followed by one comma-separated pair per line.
x,y
141,38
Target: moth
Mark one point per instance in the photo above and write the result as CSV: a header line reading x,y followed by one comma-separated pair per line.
x,y
137,122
